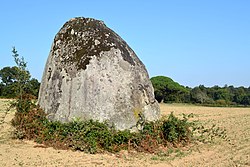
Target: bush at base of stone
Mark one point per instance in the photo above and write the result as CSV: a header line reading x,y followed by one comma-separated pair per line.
x,y
93,136
29,124
177,130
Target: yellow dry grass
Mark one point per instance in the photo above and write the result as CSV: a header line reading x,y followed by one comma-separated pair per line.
x,y
234,151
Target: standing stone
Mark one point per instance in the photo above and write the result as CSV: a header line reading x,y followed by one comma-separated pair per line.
x,y
91,73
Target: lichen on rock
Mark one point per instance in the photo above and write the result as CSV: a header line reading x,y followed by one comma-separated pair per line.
x,y
91,73
86,37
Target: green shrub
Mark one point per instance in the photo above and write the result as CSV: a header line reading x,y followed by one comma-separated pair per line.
x,y
31,124
93,136
177,130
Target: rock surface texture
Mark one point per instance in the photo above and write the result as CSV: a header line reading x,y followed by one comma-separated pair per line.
x,y
91,73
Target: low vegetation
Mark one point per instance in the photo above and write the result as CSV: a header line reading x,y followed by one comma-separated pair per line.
x,y
93,137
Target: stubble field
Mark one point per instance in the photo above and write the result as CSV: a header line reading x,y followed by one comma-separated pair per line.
x,y
232,151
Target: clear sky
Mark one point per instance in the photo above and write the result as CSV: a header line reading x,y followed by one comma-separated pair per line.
x,y
192,41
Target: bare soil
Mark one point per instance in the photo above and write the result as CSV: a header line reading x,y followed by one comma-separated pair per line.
x,y
233,151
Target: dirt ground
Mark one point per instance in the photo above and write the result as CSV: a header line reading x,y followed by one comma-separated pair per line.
x,y
234,151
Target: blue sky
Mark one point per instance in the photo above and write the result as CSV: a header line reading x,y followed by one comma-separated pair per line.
x,y
192,41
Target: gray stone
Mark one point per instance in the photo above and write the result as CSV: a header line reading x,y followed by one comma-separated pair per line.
x,y
91,73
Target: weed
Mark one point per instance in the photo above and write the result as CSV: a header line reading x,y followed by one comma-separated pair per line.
x,y
208,135
177,130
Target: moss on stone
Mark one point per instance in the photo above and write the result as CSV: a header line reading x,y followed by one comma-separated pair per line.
x,y
82,49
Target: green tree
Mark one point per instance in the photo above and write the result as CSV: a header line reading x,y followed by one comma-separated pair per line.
x,y
1,89
8,75
23,103
239,94
245,100
199,96
222,94
32,87
15,81
168,91
10,88
8,81
10,91
23,75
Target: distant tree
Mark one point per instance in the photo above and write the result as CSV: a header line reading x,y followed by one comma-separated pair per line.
x,y
8,81
32,87
169,91
8,75
222,94
239,94
1,89
203,88
10,88
159,84
10,91
15,81
245,100
231,91
199,96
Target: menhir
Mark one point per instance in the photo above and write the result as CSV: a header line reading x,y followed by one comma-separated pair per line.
x,y
91,73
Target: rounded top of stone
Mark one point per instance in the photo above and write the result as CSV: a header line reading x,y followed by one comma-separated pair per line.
x,y
78,22
81,38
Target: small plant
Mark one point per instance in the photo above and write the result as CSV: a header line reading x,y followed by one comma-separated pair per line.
x,y
177,130
24,102
208,135
29,124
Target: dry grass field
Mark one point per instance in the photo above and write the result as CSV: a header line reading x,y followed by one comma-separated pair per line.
x,y
233,151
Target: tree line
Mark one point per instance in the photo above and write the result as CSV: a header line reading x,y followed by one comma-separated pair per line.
x,y
16,80
169,91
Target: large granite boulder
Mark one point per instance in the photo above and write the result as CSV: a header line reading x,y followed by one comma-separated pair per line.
x,y
91,73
